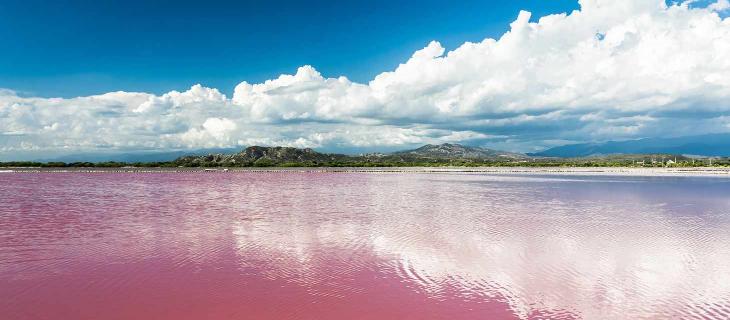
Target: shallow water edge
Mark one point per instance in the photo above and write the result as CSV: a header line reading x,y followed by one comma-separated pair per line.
x,y
621,171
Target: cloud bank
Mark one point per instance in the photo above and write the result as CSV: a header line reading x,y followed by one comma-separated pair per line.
x,y
614,69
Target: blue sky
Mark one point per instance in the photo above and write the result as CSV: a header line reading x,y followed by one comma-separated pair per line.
x,y
122,76
74,48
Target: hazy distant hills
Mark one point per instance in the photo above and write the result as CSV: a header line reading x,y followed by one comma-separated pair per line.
x,y
703,145
288,154
645,152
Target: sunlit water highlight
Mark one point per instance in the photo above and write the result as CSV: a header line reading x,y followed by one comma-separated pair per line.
x,y
318,245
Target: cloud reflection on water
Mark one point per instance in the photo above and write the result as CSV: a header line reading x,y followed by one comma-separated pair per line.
x,y
539,244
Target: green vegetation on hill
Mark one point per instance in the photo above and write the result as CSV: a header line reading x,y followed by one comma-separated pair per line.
x,y
426,156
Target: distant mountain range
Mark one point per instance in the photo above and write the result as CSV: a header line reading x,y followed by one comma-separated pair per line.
x,y
702,145
257,155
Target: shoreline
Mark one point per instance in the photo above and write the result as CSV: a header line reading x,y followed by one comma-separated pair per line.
x,y
621,171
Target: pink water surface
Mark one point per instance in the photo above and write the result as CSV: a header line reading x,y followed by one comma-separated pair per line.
x,y
318,245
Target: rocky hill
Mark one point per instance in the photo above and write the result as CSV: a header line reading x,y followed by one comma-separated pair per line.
x,y
257,155
266,156
457,151
426,156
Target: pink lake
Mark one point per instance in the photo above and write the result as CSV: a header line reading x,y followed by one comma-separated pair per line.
x,y
318,245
